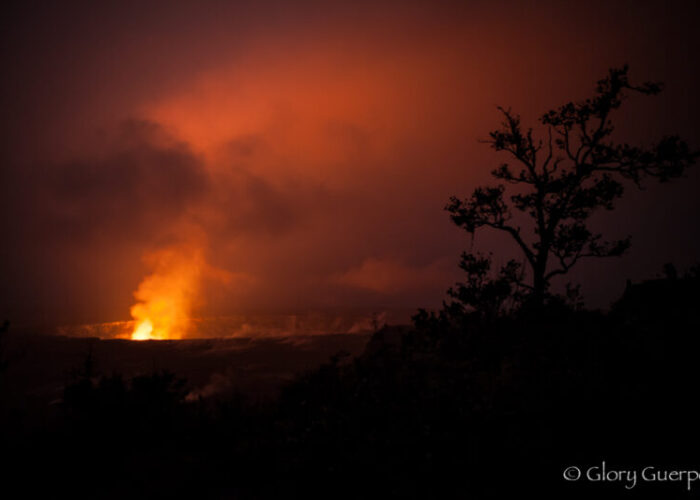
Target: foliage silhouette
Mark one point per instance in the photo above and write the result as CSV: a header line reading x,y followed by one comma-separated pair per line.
x,y
482,409
561,181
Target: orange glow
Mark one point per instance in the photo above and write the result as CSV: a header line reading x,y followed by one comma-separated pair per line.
x,y
143,330
314,112
165,297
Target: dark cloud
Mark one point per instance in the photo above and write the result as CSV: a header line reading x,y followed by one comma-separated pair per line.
x,y
136,190
97,214
74,230
141,184
246,203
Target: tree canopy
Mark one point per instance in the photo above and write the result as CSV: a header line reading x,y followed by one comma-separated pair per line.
x,y
558,182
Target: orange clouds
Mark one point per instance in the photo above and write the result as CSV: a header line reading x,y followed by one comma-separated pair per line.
x,y
387,276
322,112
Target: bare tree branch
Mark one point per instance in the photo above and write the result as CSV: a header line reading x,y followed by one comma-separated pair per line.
x,y
560,192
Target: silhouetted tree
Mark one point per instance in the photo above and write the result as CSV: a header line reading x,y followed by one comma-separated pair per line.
x,y
561,180
486,296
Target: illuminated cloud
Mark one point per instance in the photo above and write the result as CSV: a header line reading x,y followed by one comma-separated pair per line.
x,y
387,276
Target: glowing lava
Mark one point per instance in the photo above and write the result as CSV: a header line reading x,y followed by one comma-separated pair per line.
x,y
143,330
166,296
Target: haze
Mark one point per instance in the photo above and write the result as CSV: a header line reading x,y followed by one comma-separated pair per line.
x,y
304,151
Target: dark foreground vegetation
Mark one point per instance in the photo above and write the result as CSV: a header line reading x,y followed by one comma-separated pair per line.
x,y
459,405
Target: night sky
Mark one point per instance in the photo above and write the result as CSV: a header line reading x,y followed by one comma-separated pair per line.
x,y
298,155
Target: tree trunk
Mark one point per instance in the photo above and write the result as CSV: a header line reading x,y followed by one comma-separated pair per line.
x,y
539,283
